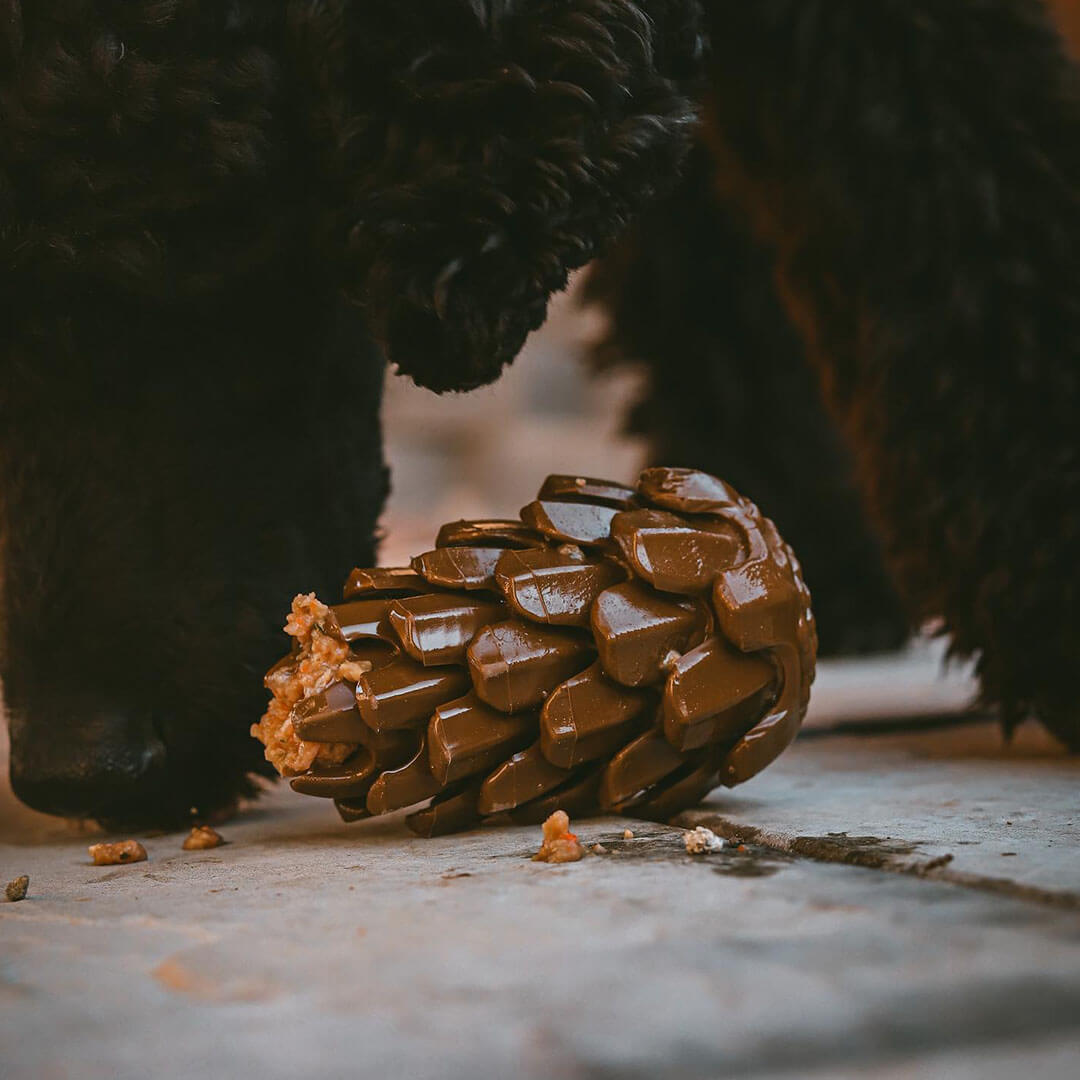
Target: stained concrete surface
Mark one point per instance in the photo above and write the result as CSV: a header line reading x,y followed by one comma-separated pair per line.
x,y
957,803
306,945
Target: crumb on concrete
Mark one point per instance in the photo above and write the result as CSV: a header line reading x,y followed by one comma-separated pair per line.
x,y
202,837
560,844
599,849
123,851
628,834
702,841
16,890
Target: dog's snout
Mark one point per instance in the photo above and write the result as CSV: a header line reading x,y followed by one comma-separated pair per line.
x,y
83,764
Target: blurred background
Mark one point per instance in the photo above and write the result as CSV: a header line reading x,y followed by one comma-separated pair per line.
x,y
485,454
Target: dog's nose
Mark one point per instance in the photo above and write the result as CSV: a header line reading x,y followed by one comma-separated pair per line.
x,y
94,764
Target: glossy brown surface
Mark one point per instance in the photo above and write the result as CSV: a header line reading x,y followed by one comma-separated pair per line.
x,y
636,628
331,716
404,694
520,779
350,780
515,665
685,787
589,716
577,797
411,783
351,810
466,737
639,765
712,678
436,629
687,491
372,652
726,728
673,555
559,488
361,619
460,567
389,748
763,604
490,533
384,582
554,586
449,812
618,647
570,522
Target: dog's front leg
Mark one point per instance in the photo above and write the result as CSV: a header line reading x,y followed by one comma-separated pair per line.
x,y
170,476
475,153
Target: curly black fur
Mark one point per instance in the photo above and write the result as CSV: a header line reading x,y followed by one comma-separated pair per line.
x,y
922,186
168,477
915,170
692,300
191,194
490,149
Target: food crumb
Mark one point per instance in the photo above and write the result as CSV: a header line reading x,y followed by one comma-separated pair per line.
x,y
701,841
123,851
560,844
628,834
572,552
354,670
202,837
671,658
599,849
320,654
16,890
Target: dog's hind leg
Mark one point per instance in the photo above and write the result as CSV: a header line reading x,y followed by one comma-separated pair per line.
x,y
691,297
916,167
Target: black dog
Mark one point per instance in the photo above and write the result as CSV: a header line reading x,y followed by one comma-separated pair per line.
x,y
216,219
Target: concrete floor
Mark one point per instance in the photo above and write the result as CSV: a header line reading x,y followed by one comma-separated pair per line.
x,y
306,945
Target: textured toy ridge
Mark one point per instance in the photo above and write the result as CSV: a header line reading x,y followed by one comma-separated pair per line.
x,y
615,648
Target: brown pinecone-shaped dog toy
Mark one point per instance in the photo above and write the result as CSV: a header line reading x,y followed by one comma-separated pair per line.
x,y
615,648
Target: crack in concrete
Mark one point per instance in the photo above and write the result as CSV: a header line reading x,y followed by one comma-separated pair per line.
x,y
877,853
